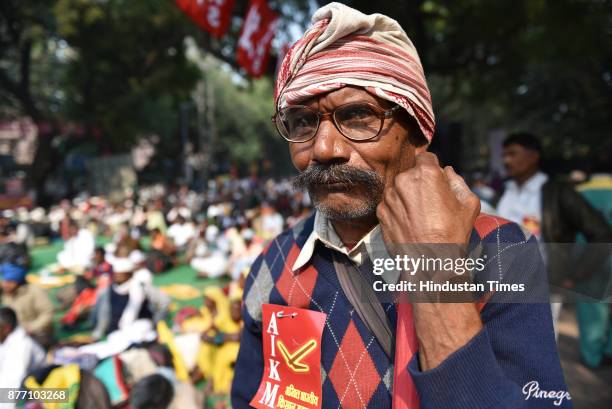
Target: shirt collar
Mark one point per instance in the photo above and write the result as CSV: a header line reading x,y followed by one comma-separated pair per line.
x,y
533,184
324,232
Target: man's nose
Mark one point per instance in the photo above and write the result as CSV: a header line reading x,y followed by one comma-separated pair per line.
x,y
330,146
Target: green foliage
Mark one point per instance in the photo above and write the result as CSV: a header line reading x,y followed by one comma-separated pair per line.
x,y
119,68
130,68
245,133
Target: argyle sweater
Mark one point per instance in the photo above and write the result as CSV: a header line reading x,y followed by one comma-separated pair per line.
x,y
515,347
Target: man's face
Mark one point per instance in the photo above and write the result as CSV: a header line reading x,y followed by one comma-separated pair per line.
x,y
9,287
519,160
382,157
98,257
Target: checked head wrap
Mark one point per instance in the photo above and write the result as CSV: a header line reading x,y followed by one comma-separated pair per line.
x,y
346,47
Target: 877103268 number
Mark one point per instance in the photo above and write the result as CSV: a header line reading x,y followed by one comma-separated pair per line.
x,y
44,395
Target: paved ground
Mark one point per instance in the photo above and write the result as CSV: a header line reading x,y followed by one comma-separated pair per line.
x,y
590,389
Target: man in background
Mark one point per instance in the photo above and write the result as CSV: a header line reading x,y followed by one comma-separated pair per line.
x,y
553,211
152,392
31,303
181,232
78,249
124,302
19,353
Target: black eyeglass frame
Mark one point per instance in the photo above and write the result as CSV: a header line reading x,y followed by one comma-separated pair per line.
x,y
382,115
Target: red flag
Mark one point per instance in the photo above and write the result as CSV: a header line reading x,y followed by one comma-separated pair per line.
x,y
256,37
213,16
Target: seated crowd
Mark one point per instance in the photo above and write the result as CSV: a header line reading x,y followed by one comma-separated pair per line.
x,y
107,332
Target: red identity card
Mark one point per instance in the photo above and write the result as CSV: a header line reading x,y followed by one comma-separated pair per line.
x,y
292,357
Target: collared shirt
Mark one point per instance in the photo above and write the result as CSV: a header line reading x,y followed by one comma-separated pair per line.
x,y
19,354
370,246
523,204
324,232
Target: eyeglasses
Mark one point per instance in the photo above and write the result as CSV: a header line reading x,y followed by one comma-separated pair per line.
x,y
358,121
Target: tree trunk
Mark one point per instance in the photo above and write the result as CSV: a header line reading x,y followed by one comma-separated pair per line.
x,y
45,161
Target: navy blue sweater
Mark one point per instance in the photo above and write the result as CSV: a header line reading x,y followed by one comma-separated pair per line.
x,y
512,363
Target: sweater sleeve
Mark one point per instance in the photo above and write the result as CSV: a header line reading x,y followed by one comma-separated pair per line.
x,y
512,363
499,366
248,370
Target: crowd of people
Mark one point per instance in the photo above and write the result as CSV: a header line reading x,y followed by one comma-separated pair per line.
x,y
106,294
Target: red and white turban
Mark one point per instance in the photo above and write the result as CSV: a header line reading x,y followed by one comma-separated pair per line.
x,y
347,47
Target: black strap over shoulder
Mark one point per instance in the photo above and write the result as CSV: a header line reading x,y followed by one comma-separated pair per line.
x,y
361,295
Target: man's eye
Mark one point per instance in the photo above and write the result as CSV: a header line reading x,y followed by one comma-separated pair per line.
x,y
301,121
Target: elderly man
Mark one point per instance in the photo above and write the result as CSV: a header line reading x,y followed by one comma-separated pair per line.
x,y
353,103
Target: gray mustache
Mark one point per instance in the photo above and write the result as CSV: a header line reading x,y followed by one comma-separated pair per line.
x,y
317,175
